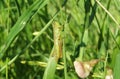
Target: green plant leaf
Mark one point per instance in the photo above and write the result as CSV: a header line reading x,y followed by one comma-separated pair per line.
x,y
50,70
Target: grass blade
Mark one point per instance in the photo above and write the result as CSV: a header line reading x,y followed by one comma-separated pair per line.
x,y
22,21
108,13
50,70
117,67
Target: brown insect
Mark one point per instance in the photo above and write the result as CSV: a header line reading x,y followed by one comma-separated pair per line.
x,y
57,51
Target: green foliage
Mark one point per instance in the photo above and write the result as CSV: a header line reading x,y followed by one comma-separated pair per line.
x,y
117,67
50,70
20,24
90,31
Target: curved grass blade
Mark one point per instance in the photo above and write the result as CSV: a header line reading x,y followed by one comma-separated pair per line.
x,y
22,21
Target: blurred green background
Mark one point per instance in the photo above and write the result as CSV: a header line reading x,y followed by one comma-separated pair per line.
x,y
90,31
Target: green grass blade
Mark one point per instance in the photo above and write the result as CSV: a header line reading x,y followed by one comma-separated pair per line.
x,y
111,16
50,70
64,53
117,67
22,21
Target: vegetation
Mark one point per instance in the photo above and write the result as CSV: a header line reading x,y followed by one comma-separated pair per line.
x,y
41,39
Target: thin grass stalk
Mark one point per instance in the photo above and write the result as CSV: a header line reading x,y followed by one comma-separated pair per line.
x,y
7,68
84,37
64,54
111,16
